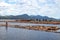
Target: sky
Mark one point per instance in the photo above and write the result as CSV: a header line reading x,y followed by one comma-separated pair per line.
x,y
50,8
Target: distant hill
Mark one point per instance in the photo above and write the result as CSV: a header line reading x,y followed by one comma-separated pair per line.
x,y
25,16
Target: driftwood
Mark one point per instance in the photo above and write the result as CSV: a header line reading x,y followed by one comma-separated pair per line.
x,y
43,28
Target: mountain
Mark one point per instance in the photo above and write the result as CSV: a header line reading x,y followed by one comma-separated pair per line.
x,y
25,16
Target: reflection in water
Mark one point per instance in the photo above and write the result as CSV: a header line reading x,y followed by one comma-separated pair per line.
x,y
6,28
24,34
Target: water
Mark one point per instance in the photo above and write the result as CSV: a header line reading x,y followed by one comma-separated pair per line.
x,y
25,24
25,34
28,24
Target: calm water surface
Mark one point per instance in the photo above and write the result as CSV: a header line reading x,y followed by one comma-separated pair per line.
x,y
25,34
28,24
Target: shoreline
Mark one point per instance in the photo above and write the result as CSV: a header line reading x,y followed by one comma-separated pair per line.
x,y
30,21
39,28
38,22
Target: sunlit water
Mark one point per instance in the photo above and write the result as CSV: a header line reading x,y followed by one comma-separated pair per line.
x,y
25,34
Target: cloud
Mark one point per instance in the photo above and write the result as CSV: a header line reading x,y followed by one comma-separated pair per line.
x,y
32,7
4,4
